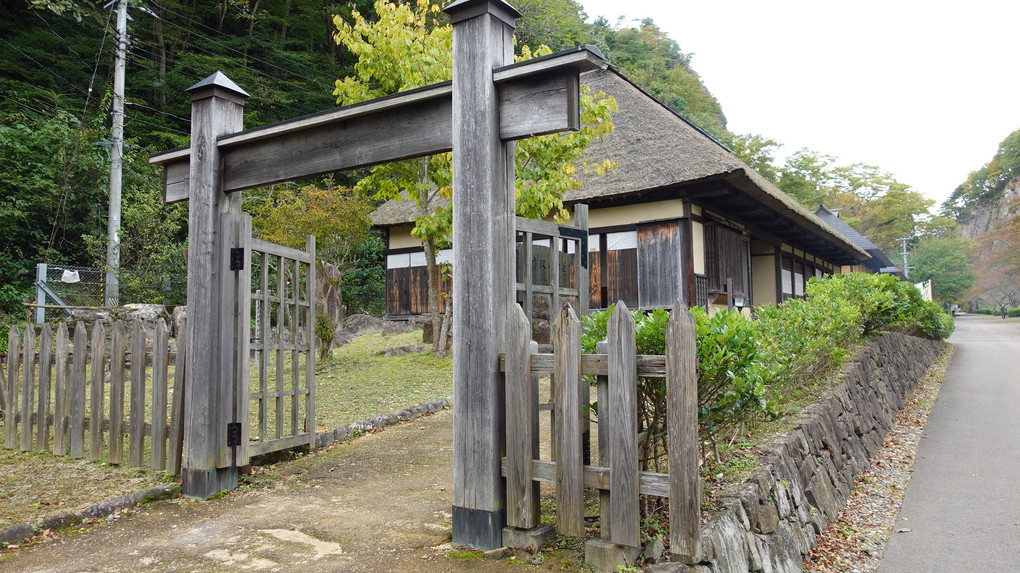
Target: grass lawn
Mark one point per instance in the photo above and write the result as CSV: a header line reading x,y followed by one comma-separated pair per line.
x,y
357,383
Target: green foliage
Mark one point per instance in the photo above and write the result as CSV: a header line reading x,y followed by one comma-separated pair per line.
x,y
364,282
731,375
932,322
988,182
655,62
1013,312
325,331
945,261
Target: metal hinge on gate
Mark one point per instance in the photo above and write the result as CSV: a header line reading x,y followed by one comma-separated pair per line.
x,y
233,434
237,259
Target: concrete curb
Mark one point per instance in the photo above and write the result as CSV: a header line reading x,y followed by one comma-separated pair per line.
x,y
22,531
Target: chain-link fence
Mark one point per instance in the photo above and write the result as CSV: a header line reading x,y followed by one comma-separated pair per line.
x,y
75,286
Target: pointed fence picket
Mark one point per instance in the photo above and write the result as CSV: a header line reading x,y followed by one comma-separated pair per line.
x,y
616,368
76,393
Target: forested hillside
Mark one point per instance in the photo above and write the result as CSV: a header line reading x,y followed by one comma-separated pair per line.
x,y
56,67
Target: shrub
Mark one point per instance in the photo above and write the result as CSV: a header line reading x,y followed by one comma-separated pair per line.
x,y
732,381
932,322
1013,312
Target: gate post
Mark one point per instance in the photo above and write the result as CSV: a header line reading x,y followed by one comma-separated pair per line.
x,y
217,106
483,238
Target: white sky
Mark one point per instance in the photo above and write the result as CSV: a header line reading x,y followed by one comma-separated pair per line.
x,y
923,89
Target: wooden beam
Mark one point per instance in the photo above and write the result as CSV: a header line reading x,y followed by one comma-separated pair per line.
x,y
535,98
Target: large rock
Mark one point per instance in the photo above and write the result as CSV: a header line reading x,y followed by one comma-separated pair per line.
x,y
358,324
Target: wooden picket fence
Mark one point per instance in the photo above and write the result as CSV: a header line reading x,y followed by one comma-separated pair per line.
x,y
616,477
59,386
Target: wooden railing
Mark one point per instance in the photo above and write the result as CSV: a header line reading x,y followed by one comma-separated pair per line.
x,y
616,477
59,385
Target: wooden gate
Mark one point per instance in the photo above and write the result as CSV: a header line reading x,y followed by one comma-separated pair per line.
x,y
276,386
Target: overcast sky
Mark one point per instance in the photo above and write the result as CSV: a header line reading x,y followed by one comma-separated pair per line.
x,y
924,90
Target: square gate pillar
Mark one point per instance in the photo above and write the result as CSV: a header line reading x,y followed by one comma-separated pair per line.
x,y
483,284
208,466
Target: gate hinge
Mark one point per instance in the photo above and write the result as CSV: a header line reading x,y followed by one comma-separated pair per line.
x,y
237,258
233,434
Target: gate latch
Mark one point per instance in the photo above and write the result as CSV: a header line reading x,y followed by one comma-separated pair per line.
x,y
233,434
237,258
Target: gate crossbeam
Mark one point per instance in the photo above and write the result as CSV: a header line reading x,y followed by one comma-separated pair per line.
x,y
537,97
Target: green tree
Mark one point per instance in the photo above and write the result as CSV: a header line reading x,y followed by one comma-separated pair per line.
x,y
335,215
555,23
410,47
758,152
986,183
946,263
655,62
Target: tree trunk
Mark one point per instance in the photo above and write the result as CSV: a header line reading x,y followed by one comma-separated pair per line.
x,y
330,301
433,270
444,339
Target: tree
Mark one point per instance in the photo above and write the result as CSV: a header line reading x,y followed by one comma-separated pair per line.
x,y
409,47
758,152
335,215
945,262
655,62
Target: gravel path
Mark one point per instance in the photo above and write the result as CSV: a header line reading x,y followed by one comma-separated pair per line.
x,y
854,543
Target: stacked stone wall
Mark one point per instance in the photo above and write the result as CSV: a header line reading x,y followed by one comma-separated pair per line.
x,y
769,523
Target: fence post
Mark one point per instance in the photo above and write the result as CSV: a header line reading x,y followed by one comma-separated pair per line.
x,y
173,462
602,398
136,443
522,495
60,402
96,410
40,294
42,437
682,421
77,395
11,413
159,390
117,395
567,431
27,387
622,440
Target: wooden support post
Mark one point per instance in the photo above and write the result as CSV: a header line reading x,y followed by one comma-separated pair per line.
x,y
682,424
483,232
217,106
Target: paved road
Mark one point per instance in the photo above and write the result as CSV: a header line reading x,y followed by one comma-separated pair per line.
x,y
963,502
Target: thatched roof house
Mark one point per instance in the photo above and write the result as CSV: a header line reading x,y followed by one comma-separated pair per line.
x,y
681,216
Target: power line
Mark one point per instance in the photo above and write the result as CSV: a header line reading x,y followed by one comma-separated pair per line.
x,y
236,51
34,61
215,31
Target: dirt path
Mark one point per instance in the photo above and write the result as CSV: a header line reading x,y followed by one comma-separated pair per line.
x,y
380,503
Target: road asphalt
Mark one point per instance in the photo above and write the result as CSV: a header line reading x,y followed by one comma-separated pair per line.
x,y
961,511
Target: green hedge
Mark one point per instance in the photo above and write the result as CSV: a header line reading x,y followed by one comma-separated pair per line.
x,y
747,366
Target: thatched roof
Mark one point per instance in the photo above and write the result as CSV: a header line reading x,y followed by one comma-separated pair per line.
x,y
661,155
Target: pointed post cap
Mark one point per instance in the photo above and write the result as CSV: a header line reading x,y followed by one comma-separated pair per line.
x,y
460,10
217,85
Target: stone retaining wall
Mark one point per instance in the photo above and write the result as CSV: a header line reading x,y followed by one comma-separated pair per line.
x,y
769,523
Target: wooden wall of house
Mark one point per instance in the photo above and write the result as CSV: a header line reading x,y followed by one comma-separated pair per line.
x,y
407,291
727,257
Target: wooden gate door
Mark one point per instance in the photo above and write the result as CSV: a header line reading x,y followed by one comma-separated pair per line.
x,y
276,385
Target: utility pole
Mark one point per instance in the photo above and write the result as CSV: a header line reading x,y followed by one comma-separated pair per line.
x,y
112,294
906,269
